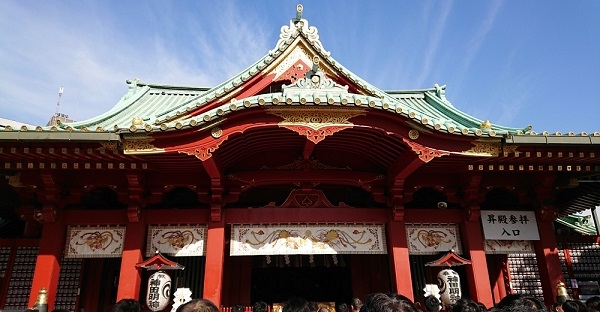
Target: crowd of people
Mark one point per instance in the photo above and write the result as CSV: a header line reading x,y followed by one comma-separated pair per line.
x,y
390,302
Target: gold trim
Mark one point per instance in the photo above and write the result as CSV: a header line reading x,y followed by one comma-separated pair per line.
x,y
484,149
140,146
315,118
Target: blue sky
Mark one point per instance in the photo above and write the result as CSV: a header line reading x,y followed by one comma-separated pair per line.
x,y
516,63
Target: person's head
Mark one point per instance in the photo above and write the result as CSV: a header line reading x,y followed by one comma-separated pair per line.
x,y
295,304
574,306
466,305
593,304
379,302
323,309
520,303
557,307
342,307
313,306
198,305
260,306
482,306
237,308
432,304
355,304
127,305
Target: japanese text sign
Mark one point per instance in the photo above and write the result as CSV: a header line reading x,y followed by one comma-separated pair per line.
x,y
509,225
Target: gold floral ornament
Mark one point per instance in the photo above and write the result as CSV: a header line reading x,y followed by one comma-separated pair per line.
x,y
486,125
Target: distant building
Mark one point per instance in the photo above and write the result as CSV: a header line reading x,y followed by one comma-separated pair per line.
x,y
59,118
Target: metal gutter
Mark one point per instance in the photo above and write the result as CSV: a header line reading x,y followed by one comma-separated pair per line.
x,y
531,139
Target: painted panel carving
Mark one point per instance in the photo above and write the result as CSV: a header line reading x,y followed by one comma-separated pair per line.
x,y
428,239
178,241
307,239
95,242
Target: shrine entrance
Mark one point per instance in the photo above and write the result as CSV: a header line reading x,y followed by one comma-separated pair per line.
x,y
320,278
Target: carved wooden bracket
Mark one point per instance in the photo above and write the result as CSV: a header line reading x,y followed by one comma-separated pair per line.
x,y
47,214
135,198
426,154
307,198
133,213
216,199
547,213
473,213
315,135
204,149
397,200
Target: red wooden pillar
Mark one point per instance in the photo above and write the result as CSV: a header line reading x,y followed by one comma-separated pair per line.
x,y
497,277
400,263
215,256
477,273
130,276
47,266
546,253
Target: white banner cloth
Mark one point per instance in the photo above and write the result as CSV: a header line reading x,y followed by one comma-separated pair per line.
x,y
310,239
94,242
178,241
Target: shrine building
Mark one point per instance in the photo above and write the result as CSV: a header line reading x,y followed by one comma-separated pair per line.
x,y
295,177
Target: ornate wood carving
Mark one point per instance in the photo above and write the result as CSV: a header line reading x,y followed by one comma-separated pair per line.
x,y
426,154
315,123
204,150
485,149
316,135
136,146
307,198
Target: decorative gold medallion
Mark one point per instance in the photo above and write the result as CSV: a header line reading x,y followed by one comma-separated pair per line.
x,y
216,132
413,134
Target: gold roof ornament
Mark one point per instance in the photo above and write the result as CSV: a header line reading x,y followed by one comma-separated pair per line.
x,y
486,125
137,121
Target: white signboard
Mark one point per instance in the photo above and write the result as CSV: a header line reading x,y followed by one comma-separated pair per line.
x,y
509,225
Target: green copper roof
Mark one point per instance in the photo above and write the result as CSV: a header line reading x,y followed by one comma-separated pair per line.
x,y
150,107
578,223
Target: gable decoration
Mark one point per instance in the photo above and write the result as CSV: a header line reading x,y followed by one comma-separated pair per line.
x,y
94,242
309,239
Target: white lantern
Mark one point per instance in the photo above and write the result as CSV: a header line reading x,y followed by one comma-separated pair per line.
x,y
449,283
159,291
